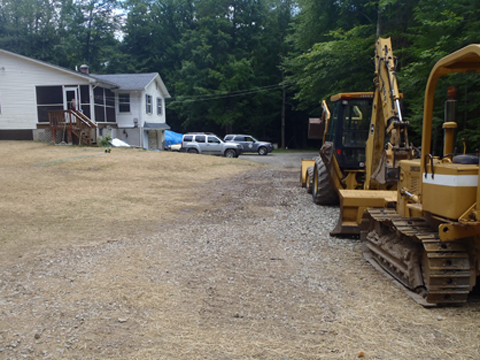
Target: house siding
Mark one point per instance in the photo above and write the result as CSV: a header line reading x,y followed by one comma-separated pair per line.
x,y
154,91
138,107
125,120
18,79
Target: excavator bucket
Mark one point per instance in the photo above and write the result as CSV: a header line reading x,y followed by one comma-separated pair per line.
x,y
353,204
303,171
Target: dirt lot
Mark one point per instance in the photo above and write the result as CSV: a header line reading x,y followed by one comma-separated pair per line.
x,y
155,255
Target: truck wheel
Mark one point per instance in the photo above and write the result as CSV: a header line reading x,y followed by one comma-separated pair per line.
x,y
192,151
230,153
309,179
262,151
322,192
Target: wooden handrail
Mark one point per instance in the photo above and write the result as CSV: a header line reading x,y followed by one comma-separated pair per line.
x,y
73,122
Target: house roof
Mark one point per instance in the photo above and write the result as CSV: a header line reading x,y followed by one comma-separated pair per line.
x,y
43,63
133,82
127,82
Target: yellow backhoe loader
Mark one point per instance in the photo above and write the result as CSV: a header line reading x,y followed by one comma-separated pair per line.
x,y
430,241
362,148
386,146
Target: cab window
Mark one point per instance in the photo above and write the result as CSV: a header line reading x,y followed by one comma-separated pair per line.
x,y
332,125
356,123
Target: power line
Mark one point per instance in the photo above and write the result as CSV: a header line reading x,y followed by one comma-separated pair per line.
x,y
232,92
224,95
207,97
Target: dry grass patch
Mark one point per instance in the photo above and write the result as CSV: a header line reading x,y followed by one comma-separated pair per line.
x,y
53,196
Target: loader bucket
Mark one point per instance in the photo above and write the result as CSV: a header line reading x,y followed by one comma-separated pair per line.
x,y
303,172
353,204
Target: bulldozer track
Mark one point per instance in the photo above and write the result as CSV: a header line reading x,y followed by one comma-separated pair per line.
x,y
410,250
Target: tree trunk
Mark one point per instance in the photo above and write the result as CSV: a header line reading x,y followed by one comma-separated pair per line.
x,y
283,110
379,22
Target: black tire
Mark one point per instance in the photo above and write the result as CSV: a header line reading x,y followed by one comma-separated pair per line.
x,y
322,191
262,150
230,153
309,179
192,151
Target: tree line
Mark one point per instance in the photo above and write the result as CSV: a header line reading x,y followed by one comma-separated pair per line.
x,y
254,66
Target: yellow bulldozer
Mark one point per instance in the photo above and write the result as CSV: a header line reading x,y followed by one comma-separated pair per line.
x,y
430,239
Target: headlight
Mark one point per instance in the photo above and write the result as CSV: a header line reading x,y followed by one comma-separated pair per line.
x,y
362,164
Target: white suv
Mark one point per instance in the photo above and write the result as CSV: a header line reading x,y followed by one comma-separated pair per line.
x,y
208,143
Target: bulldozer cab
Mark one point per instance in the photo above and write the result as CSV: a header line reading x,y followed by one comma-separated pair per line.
x,y
348,128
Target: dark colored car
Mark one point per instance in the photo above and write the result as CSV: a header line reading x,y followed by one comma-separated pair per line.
x,y
249,143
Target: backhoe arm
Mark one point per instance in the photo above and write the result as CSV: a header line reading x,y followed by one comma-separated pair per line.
x,y
387,123
387,85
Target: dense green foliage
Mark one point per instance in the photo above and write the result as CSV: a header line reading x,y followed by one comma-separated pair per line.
x,y
238,65
333,47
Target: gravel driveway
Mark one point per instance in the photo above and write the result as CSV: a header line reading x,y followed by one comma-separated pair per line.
x,y
286,160
255,277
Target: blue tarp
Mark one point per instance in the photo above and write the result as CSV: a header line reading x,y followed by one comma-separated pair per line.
x,y
172,138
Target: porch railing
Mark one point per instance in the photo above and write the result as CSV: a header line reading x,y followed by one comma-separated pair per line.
x,y
69,123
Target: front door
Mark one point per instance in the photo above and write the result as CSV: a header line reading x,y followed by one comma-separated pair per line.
x,y
71,98
214,145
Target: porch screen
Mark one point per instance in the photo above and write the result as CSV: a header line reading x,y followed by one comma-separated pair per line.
x,y
104,105
85,100
48,98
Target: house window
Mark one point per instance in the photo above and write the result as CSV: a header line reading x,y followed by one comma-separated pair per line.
x,y
159,106
148,101
124,103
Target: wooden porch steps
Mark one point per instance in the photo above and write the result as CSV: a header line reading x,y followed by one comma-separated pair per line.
x,y
71,123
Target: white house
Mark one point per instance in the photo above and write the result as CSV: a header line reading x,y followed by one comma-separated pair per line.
x,y
130,107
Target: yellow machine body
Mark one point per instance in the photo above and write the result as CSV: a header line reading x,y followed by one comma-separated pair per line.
x,y
450,190
431,241
384,148
304,171
459,182
353,204
339,178
410,181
